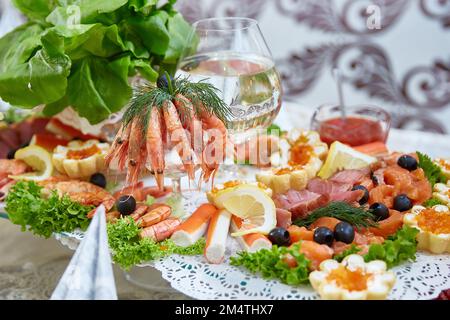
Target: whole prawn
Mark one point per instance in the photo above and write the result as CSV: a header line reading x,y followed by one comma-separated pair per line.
x,y
179,138
161,230
137,152
215,150
190,122
155,148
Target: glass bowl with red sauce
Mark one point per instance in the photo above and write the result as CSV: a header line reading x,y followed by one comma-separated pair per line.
x,y
362,124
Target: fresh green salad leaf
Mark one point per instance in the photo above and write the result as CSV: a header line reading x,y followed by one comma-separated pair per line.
x,y
432,202
271,264
88,46
353,249
129,249
35,9
397,248
149,200
342,211
432,170
43,216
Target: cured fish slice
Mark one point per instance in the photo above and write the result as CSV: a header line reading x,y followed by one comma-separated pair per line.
x,y
388,226
251,242
160,231
193,228
314,252
328,222
217,236
300,233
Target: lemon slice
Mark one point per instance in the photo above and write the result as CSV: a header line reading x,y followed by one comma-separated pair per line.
x,y
250,203
39,159
341,157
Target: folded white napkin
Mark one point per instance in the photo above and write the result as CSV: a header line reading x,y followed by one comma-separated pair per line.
x,y
89,275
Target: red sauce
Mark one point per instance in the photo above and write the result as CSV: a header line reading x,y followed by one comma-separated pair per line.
x,y
352,131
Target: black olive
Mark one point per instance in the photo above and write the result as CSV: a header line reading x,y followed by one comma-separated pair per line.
x,y
374,179
162,81
402,203
380,211
365,196
11,154
407,162
344,232
98,179
126,205
280,236
323,235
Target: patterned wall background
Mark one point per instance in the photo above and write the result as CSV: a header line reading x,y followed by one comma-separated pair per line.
x,y
404,66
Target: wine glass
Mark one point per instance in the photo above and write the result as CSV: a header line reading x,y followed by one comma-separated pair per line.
x,y
231,54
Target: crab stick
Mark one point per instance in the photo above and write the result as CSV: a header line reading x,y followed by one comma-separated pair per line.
x,y
217,236
194,227
250,242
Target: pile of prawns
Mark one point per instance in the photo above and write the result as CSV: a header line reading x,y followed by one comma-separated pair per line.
x,y
178,122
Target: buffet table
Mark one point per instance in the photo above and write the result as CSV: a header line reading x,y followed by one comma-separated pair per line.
x,y
31,267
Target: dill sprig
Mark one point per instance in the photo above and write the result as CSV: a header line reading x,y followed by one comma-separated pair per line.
x,y
203,94
432,171
358,217
147,96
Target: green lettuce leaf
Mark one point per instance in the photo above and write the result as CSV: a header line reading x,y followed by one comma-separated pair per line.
x,y
90,47
142,5
73,12
129,250
271,265
88,40
144,68
43,216
398,248
151,30
35,9
179,31
104,85
38,74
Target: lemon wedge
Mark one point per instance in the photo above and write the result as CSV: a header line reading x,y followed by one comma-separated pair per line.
x,y
250,203
37,158
341,157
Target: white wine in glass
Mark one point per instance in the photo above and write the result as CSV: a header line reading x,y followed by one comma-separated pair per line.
x,y
231,54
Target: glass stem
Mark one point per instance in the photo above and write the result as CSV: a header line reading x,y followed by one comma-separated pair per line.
x,y
176,186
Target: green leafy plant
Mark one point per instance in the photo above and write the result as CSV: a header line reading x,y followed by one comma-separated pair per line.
x,y
358,217
27,207
432,202
271,264
432,171
398,248
353,249
129,249
91,47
